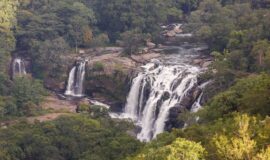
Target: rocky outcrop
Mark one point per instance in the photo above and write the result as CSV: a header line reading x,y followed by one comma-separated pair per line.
x,y
172,30
185,105
109,75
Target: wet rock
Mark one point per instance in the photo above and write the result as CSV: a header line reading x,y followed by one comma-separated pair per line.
x,y
191,97
173,121
116,106
166,96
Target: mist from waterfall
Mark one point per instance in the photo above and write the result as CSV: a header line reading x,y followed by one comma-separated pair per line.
x,y
18,67
76,80
159,87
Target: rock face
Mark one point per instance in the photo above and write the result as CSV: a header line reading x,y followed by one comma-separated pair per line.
x,y
109,76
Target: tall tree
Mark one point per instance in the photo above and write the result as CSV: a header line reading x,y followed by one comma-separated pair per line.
x,y
7,23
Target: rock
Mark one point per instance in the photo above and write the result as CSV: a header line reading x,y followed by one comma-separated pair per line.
x,y
190,97
150,44
54,85
197,61
196,93
206,64
165,96
171,26
145,50
116,106
173,121
171,34
81,51
178,30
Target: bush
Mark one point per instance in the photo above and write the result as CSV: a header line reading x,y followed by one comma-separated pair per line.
x,y
98,67
248,95
27,91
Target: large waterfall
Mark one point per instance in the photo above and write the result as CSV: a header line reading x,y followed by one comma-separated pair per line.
x,y
18,67
160,86
76,79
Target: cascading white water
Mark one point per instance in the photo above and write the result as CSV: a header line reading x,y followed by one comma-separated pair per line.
x,y
75,80
131,107
18,67
157,89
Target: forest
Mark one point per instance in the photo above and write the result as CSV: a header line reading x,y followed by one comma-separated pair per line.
x,y
232,124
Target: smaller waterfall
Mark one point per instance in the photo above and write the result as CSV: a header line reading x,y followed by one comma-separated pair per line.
x,y
75,80
18,67
131,107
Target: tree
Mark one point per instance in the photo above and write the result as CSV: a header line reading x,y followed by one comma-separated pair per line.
x,y
26,91
241,142
47,20
100,40
68,137
261,53
8,10
180,149
7,14
264,155
248,95
131,41
237,147
116,17
48,58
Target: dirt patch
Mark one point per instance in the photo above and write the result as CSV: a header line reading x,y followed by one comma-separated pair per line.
x,y
47,117
58,105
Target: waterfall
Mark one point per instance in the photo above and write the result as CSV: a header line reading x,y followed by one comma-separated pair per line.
x,y
159,87
18,67
132,99
76,79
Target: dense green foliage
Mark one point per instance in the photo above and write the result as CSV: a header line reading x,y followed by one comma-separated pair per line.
x,y
21,98
239,137
233,125
250,95
119,16
68,138
7,22
180,149
86,24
